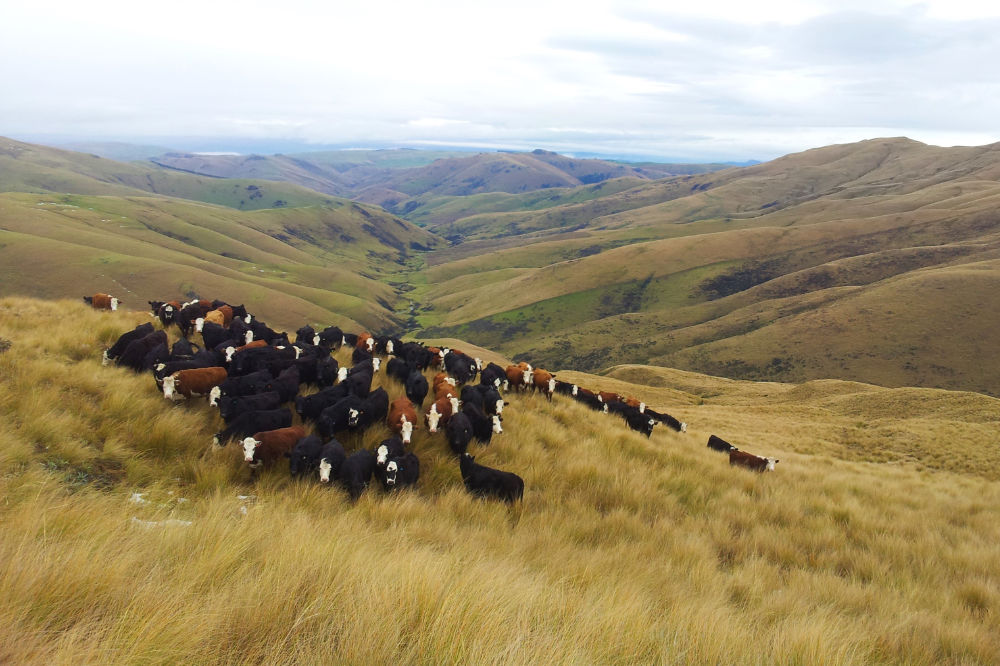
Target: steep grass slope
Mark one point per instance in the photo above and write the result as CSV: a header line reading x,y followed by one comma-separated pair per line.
x,y
876,540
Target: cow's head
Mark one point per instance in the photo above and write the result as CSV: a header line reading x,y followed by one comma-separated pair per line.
x,y
389,347
324,470
454,404
229,354
114,303
575,390
642,408
433,417
170,388
104,358
604,407
316,340
249,448
526,377
249,338
352,417
497,428
381,454
391,470
199,324
506,385
684,428
771,462
649,426
370,344
479,364
248,319
342,374
499,407
552,385
406,431
213,396
376,363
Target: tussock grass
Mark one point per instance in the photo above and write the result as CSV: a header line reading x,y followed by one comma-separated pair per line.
x,y
624,550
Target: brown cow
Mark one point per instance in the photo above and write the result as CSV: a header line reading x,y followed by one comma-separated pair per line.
x,y
750,461
184,384
518,377
270,445
102,302
634,402
366,342
440,412
608,396
442,378
543,381
402,418
438,358
445,390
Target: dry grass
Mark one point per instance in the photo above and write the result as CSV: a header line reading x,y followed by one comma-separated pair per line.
x,y
625,550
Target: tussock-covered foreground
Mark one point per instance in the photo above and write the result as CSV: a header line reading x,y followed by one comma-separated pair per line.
x,y
124,538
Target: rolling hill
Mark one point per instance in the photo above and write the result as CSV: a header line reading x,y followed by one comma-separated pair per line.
x,y
862,262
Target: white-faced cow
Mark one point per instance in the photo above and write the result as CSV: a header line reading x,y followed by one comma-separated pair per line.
x,y
750,461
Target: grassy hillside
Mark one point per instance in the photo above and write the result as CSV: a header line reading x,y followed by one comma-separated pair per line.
x,y
319,263
861,262
875,540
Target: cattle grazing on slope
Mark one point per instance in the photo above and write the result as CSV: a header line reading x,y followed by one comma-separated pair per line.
x,y
440,412
266,446
356,472
251,422
544,381
719,444
484,481
331,458
137,351
750,461
416,387
304,456
459,433
231,407
199,382
666,419
402,418
255,382
400,472
116,350
102,302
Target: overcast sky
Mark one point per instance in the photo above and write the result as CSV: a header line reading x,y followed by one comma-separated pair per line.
x,y
693,80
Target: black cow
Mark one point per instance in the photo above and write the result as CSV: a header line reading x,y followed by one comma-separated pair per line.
x,y
400,472
416,387
591,401
719,444
183,349
304,458
188,314
493,375
156,356
262,331
640,422
461,366
470,395
356,472
459,433
359,355
359,384
331,459
376,408
253,422
330,337
231,407
134,355
485,481
287,383
389,448
340,416
564,388
399,369
667,420
115,350
483,426
350,339
305,334
214,335
326,371
255,382
309,407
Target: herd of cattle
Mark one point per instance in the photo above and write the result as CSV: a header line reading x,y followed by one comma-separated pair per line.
x,y
251,373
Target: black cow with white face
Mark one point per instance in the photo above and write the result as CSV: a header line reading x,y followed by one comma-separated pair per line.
x,y
304,457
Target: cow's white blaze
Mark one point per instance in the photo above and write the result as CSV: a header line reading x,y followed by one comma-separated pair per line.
x,y
324,470
249,446
168,387
352,417
552,385
343,340
370,343
497,428
229,354
497,384
454,404
771,462
316,340
247,319
479,364
104,358
389,347
249,338
342,374
605,410
406,432
199,324
684,427
526,377
390,473
451,380
114,304
214,395
499,408
298,352
376,364
575,389
642,408
433,418
506,386
381,454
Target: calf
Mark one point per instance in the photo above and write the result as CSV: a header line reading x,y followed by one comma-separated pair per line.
x,y
305,455
518,377
484,481
232,407
402,418
115,350
750,461
719,444
251,422
266,446
185,384
102,302
356,472
400,472
331,458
